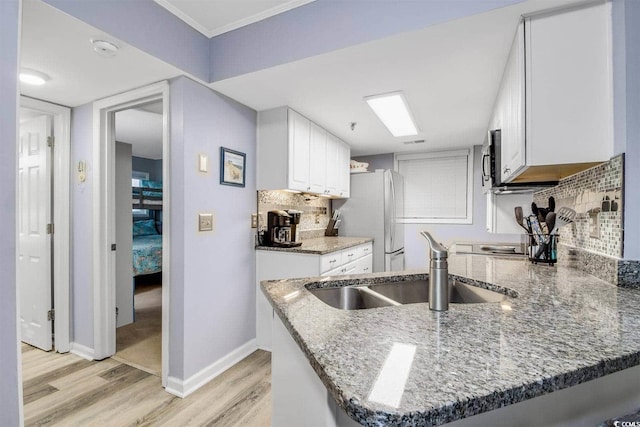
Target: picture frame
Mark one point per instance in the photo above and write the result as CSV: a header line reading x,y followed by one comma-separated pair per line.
x,y
233,167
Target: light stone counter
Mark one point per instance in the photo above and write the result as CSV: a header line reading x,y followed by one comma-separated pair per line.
x,y
560,327
321,245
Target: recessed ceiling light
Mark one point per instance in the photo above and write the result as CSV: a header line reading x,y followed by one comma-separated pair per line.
x,y
393,111
104,48
33,77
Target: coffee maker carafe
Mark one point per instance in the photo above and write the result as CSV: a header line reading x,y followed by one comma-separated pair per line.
x,y
294,220
279,230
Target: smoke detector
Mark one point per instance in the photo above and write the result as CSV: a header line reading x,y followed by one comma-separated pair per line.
x,y
104,48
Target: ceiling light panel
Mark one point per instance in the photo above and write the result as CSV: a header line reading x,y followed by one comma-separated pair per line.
x,y
393,111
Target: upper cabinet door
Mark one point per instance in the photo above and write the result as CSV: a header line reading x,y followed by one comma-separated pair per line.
x,y
317,159
569,86
512,111
332,169
299,145
343,171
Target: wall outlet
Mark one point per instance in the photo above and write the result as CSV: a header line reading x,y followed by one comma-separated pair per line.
x,y
254,220
205,222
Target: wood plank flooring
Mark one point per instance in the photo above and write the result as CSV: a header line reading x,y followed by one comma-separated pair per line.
x,y
66,390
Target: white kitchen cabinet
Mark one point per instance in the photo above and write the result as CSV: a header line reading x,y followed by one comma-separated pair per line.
x,y
296,154
317,159
299,149
511,110
501,214
555,103
344,157
273,265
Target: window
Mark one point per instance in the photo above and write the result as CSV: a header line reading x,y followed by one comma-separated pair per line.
x,y
438,186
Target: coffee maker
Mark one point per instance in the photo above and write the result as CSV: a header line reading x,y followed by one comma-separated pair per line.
x,y
294,219
279,230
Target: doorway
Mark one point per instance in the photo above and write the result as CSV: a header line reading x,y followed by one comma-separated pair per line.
x,y
139,220
105,243
43,246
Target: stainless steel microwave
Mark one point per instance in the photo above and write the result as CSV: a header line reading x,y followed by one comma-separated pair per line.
x,y
491,166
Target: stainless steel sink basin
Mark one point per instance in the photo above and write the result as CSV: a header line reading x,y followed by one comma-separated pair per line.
x,y
351,298
411,292
399,293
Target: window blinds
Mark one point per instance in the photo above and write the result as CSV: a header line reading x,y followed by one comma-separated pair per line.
x,y
435,185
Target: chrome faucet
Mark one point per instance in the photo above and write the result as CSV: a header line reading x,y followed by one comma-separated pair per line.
x,y
438,275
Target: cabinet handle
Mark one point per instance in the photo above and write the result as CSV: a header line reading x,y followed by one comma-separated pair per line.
x,y
332,261
507,170
308,188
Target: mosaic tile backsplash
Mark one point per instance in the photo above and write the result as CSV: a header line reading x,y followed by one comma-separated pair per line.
x,y
316,210
596,196
594,241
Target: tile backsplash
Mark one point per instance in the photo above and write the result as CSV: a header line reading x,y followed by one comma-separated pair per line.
x,y
316,210
596,196
594,241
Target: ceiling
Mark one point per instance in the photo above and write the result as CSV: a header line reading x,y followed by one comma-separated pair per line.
x,y
214,17
449,73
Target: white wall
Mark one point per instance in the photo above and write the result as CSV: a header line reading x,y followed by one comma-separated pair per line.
x,y
416,255
10,386
212,273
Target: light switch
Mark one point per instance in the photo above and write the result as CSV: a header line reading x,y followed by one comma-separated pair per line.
x,y
205,222
203,163
254,220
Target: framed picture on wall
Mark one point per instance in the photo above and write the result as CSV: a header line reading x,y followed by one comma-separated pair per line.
x,y
232,167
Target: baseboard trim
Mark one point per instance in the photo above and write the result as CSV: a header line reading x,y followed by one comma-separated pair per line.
x,y
183,388
82,351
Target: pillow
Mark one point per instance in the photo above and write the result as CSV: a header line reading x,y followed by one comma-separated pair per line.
x,y
144,228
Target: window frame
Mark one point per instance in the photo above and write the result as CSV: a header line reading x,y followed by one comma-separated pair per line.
x,y
398,157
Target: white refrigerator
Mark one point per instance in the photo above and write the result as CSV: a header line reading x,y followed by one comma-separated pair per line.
x,y
375,203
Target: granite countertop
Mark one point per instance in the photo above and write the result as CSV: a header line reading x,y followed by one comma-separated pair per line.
x,y
321,245
558,328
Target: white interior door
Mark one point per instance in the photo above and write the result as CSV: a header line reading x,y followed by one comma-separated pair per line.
x,y
34,241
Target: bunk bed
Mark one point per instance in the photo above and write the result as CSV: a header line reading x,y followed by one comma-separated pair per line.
x,y
147,232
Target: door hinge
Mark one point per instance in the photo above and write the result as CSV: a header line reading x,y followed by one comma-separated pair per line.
x,y
113,246
51,141
50,229
51,314
117,312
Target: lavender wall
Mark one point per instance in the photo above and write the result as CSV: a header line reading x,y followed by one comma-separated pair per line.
x,y
11,401
416,255
147,26
212,273
82,220
326,25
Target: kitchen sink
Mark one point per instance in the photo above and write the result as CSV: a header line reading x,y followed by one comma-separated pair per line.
x,y
352,298
399,293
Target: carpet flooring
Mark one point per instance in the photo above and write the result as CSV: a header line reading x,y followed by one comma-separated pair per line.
x,y
139,344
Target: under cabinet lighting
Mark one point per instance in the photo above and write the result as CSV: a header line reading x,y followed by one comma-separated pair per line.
x,y
393,111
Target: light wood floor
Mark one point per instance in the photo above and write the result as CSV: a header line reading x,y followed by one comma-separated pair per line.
x,y
66,390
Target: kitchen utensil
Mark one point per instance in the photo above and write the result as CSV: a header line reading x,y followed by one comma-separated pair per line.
x,y
564,216
520,218
550,219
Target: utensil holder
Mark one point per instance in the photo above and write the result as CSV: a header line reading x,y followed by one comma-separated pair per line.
x,y
542,249
331,230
